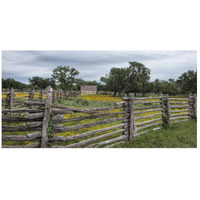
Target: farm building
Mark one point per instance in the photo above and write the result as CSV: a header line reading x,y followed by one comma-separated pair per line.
x,y
89,89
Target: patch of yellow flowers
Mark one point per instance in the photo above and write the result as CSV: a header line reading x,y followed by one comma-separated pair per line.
x,y
99,97
36,95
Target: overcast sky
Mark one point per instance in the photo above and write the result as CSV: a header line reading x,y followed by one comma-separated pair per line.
x,y
22,65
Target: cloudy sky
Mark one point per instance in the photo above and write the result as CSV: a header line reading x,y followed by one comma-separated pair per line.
x,y
22,65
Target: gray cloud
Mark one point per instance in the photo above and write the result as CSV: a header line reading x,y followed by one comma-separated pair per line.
x,y
22,65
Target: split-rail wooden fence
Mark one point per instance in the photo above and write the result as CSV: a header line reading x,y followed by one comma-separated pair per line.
x,y
31,95
45,121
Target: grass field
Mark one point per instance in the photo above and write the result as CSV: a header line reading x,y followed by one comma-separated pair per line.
x,y
179,135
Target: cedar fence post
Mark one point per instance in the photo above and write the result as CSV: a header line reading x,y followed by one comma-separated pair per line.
x,y
190,106
54,98
31,96
7,102
128,108
41,95
60,94
195,106
11,100
126,116
131,120
162,105
33,93
46,118
167,107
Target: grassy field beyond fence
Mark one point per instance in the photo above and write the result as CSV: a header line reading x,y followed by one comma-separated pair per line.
x,y
179,135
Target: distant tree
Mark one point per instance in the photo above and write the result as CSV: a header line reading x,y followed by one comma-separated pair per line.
x,y
150,87
115,81
187,82
144,77
158,86
65,77
79,82
10,82
169,87
137,77
165,87
41,83
134,78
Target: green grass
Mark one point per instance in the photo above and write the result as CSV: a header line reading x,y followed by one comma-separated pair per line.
x,y
179,135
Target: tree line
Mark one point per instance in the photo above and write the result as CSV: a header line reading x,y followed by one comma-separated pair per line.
x,y
134,78
63,77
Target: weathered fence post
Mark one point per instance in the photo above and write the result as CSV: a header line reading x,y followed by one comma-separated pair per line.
x,y
195,106
129,116
31,96
131,120
54,96
164,103
168,108
126,116
41,96
61,94
192,106
9,101
57,94
46,118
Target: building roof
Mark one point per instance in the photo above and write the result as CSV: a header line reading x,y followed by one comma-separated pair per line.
x,y
89,87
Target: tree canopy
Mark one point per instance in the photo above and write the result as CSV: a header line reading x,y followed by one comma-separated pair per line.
x,y
10,82
41,83
128,79
187,82
65,77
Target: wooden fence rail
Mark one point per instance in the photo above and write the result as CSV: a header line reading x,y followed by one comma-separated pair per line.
x,y
43,124
13,98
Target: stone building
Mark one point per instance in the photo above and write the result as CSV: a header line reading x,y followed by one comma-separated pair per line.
x,y
89,89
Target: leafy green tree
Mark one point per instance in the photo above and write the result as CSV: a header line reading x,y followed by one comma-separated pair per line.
x,y
115,80
187,82
134,78
41,83
137,77
169,87
65,77
10,82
